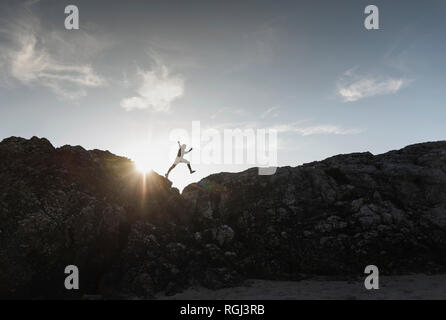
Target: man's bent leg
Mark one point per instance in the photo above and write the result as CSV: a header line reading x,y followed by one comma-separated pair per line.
x,y
190,169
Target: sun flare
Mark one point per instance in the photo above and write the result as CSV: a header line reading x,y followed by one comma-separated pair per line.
x,y
143,166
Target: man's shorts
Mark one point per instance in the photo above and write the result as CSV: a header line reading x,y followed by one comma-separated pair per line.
x,y
181,160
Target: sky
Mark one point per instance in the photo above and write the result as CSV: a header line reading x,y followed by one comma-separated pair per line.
x,y
137,73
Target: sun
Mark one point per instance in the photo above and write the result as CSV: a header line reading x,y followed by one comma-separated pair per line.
x,y
147,162
143,166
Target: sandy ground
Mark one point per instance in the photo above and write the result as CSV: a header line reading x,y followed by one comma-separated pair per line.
x,y
411,287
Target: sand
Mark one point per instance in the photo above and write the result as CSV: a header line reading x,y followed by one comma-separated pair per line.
x,y
411,287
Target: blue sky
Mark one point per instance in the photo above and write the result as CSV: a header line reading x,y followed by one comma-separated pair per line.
x,y
137,70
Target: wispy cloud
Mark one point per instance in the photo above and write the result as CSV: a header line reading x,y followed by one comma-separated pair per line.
x,y
315,129
352,87
34,66
270,112
226,111
157,90
27,58
296,127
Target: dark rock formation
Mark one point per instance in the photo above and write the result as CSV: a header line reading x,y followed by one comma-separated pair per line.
x,y
335,216
134,236
70,206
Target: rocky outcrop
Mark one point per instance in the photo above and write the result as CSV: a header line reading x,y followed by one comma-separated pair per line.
x,y
70,206
334,216
134,236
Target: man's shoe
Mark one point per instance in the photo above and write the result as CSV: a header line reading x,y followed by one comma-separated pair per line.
x,y
192,171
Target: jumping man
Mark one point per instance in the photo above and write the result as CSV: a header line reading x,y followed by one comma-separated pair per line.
x,y
180,159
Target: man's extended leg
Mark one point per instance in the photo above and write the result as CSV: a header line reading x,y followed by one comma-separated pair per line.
x,y
170,169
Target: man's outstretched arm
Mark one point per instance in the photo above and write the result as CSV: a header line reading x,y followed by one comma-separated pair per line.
x,y
188,151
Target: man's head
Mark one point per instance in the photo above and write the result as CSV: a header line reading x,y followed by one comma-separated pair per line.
x,y
183,146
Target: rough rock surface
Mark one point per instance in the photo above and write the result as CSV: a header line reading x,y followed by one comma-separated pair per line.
x,y
334,216
134,236
70,206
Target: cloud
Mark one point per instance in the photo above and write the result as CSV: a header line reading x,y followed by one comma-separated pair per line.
x,y
27,56
269,111
316,129
34,66
240,111
157,91
296,127
228,111
352,87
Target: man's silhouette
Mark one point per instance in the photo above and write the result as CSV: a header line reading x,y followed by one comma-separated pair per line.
x,y
179,159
